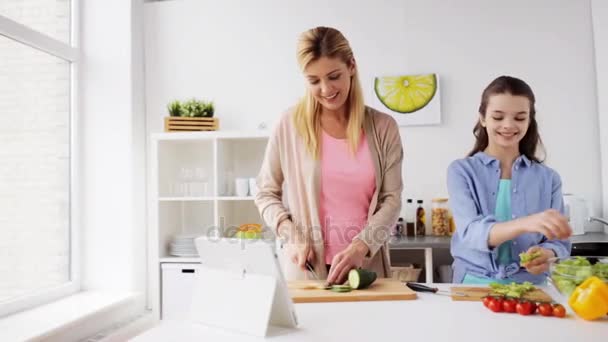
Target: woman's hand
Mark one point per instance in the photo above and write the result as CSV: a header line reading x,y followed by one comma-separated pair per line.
x,y
540,264
551,223
297,245
343,262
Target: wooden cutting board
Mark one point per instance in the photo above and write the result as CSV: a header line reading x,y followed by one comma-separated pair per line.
x,y
307,291
477,293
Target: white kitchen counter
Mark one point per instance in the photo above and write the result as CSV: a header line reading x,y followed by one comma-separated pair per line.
x,y
430,317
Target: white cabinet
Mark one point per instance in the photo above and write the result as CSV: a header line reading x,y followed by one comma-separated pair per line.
x,y
192,192
177,287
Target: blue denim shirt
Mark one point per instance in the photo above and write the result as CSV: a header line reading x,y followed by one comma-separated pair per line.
x,y
472,186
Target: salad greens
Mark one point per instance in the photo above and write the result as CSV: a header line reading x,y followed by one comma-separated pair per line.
x,y
514,290
570,273
526,257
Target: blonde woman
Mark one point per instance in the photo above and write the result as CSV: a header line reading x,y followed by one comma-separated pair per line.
x,y
341,165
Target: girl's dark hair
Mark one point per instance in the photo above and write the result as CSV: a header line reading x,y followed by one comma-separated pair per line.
x,y
516,87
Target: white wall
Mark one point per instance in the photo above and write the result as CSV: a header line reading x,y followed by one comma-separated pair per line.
x,y
600,34
242,55
113,152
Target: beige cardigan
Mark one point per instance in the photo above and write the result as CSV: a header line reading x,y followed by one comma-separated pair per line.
x,y
287,161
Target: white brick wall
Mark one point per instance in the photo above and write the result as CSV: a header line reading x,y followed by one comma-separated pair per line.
x,y
34,153
51,17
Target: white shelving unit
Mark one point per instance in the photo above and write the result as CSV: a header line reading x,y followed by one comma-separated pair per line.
x,y
192,177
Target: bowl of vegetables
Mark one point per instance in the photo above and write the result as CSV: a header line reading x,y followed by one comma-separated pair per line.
x,y
568,272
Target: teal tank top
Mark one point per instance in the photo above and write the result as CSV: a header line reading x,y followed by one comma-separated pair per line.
x,y
502,213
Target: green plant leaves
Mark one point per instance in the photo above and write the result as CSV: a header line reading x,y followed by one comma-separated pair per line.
x,y
192,108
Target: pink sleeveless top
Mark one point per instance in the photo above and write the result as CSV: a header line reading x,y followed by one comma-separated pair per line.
x,y
348,183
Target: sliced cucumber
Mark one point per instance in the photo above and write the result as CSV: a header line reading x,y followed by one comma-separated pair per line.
x,y
360,278
341,288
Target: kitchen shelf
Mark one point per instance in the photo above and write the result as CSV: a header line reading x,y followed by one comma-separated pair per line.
x,y
184,165
236,198
206,198
185,199
180,260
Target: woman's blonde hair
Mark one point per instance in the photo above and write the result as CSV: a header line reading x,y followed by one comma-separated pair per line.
x,y
312,45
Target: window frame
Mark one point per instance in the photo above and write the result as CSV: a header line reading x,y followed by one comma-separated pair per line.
x,y
70,53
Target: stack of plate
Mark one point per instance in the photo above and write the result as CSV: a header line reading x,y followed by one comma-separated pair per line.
x,y
183,246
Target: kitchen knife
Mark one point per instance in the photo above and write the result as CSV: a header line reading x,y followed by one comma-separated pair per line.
x,y
423,288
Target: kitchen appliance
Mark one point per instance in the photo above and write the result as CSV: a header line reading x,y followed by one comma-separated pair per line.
x,y
577,212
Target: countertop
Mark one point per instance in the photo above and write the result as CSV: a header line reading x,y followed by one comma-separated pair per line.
x,y
411,242
428,318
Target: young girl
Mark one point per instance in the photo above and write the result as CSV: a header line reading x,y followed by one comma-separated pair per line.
x,y
504,200
341,164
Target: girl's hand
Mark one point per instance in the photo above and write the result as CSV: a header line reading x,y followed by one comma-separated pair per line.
x,y
540,264
343,262
551,223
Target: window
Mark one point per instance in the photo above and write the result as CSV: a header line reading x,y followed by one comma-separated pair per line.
x,y
50,17
37,65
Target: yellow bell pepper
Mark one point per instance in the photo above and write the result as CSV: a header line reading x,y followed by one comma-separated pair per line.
x,y
590,299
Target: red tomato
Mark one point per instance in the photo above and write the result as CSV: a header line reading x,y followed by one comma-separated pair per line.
x,y
487,300
545,309
509,305
559,310
495,304
525,308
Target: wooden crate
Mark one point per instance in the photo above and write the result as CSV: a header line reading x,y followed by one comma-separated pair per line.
x,y
181,124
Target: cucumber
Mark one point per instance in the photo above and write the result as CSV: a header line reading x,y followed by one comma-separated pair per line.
x,y
341,288
360,278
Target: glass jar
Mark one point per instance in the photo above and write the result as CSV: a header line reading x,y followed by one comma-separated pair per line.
x,y
410,218
452,224
420,219
440,217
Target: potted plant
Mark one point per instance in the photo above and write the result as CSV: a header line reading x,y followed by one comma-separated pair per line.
x,y
191,115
